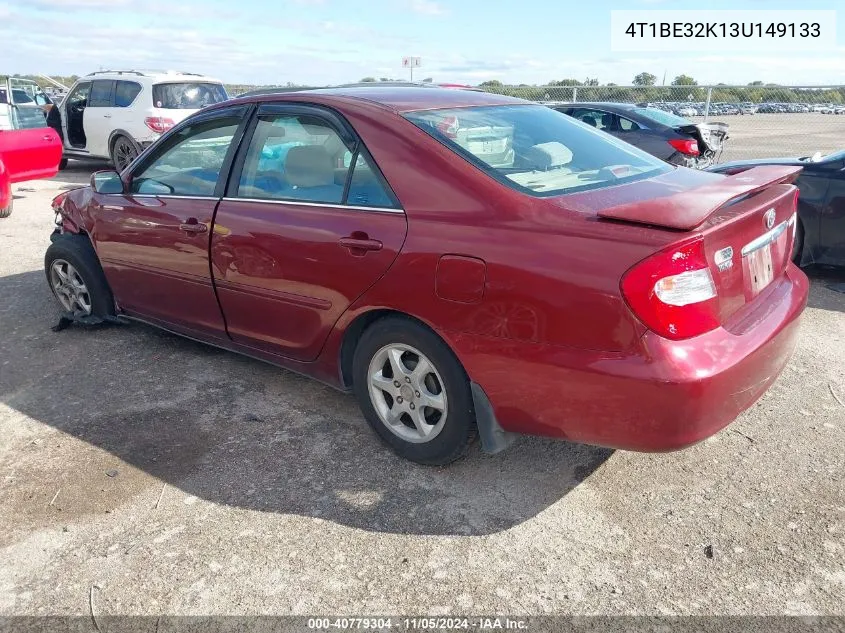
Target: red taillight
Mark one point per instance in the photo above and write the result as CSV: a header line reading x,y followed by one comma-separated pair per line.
x,y
448,127
159,124
673,293
686,146
59,201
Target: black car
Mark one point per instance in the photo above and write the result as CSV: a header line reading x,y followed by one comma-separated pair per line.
x,y
820,231
662,134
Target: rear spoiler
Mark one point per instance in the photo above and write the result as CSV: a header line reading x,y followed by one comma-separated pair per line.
x,y
688,209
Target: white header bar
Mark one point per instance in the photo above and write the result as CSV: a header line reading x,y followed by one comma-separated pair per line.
x,y
757,31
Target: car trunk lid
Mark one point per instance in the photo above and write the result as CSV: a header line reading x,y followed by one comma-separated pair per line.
x,y
746,222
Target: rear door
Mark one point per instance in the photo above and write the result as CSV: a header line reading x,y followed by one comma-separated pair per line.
x,y
307,226
30,154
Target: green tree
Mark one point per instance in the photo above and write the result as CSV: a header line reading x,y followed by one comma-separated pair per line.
x,y
645,79
756,83
368,80
566,82
684,80
428,80
591,81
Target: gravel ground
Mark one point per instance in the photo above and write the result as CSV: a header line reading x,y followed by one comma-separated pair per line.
x,y
179,479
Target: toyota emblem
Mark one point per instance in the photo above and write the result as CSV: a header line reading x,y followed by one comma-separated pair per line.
x,y
769,218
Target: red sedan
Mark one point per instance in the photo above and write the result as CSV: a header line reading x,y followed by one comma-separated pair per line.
x,y
466,263
26,155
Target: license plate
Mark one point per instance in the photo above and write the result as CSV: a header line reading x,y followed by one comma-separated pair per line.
x,y
760,268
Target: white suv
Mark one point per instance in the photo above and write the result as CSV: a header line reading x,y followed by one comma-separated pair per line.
x,y
115,114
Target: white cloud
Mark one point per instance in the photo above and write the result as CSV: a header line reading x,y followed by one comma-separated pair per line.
x,y
427,7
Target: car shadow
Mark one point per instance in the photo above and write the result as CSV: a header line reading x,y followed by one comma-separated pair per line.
x,y
828,289
230,430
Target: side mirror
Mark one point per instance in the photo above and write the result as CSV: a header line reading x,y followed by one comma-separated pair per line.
x,y
106,182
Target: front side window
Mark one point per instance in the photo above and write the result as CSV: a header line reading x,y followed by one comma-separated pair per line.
x,y
79,97
188,163
101,94
537,150
294,157
187,96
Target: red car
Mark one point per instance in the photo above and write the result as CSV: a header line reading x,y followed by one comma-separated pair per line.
x,y
464,262
26,155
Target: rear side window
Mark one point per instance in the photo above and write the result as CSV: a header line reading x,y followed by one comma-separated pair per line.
x,y
661,116
125,93
294,157
537,150
187,96
101,94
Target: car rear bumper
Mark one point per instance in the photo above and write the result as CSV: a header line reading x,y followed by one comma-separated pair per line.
x,y
664,396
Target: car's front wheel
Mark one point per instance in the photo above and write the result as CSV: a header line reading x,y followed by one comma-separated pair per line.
x,y
76,277
413,391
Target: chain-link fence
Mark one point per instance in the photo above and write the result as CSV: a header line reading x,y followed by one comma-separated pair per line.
x,y
764,121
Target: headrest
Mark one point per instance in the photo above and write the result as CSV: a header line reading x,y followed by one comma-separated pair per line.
x,y
548,155
309,166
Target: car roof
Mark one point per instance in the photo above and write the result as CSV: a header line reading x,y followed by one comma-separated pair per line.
x,y
155,75
397,98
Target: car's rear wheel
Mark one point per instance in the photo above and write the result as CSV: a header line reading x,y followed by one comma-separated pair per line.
x,y
123,152
76,277
6,211
413,391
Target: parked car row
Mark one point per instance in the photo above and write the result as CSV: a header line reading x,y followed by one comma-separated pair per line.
x,y
443,254
718,109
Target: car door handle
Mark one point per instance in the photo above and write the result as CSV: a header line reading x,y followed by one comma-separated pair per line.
x,y
359,245
192,226
46,137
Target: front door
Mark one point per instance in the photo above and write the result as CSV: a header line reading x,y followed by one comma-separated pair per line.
x,y
30,154
98,117
153,240
308,225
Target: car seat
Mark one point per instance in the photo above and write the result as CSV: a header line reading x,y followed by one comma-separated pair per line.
x,y
310,173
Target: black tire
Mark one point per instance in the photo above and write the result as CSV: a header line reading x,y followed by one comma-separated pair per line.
x,y
123,152
78,251
798,244
63,164
459,428
7,211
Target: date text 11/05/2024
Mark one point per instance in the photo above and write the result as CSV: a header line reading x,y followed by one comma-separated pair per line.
x,y
419,624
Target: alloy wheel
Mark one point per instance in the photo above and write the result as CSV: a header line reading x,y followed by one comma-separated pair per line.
x,y
408,393
70,288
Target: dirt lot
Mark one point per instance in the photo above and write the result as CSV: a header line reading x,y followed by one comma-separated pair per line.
x,y
179,479
766,135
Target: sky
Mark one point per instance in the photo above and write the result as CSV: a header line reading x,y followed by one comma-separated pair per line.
x,y
321,42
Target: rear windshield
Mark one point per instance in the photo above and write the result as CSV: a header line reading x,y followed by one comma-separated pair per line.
x,y
187,96
537,150
661,116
